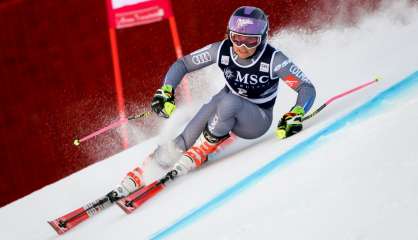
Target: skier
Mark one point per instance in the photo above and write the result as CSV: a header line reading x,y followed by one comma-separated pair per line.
x,y
252,69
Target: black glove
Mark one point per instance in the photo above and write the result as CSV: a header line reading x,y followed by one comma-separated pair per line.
x,y
163,101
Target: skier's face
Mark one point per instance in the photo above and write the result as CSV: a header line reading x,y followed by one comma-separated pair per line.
x,y
243,52
244,45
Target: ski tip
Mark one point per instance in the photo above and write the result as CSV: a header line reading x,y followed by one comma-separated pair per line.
x,y
54,225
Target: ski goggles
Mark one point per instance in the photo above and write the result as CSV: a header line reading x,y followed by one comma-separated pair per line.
x,y
249,41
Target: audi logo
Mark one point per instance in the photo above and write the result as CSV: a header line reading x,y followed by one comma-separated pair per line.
x,y
201,58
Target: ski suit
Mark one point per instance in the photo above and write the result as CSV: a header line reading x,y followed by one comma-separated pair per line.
x,y
245,105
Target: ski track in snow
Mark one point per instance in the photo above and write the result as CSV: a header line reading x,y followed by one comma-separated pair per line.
x,y
360,183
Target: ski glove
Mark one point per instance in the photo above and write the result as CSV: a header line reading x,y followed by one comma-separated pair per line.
x,y
163,101
291,123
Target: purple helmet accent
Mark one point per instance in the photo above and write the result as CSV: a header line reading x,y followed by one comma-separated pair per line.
x,y
249,20
246,25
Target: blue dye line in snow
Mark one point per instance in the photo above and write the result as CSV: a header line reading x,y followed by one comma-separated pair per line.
x,y
360,112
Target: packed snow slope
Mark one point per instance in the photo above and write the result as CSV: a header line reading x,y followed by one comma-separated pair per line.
x,y
355,181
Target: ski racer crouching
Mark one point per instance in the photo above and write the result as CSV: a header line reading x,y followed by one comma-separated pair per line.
x,y
252,69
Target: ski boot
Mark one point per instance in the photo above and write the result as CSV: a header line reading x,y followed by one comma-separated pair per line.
x,y
132,182
206,144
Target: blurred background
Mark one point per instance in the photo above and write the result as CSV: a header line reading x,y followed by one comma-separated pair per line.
x,y
57,76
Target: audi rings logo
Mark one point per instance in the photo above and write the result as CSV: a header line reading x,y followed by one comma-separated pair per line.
x,y
201,58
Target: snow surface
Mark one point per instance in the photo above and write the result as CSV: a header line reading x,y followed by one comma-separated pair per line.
x,y
360,182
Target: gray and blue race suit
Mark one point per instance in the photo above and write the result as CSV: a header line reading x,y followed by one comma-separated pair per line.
x,y
245,105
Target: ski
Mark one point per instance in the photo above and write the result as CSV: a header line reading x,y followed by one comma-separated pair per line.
x,y
136,199
129,203
72,219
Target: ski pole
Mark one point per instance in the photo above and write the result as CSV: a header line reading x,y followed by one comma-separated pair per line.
x,y
112,126
329,101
